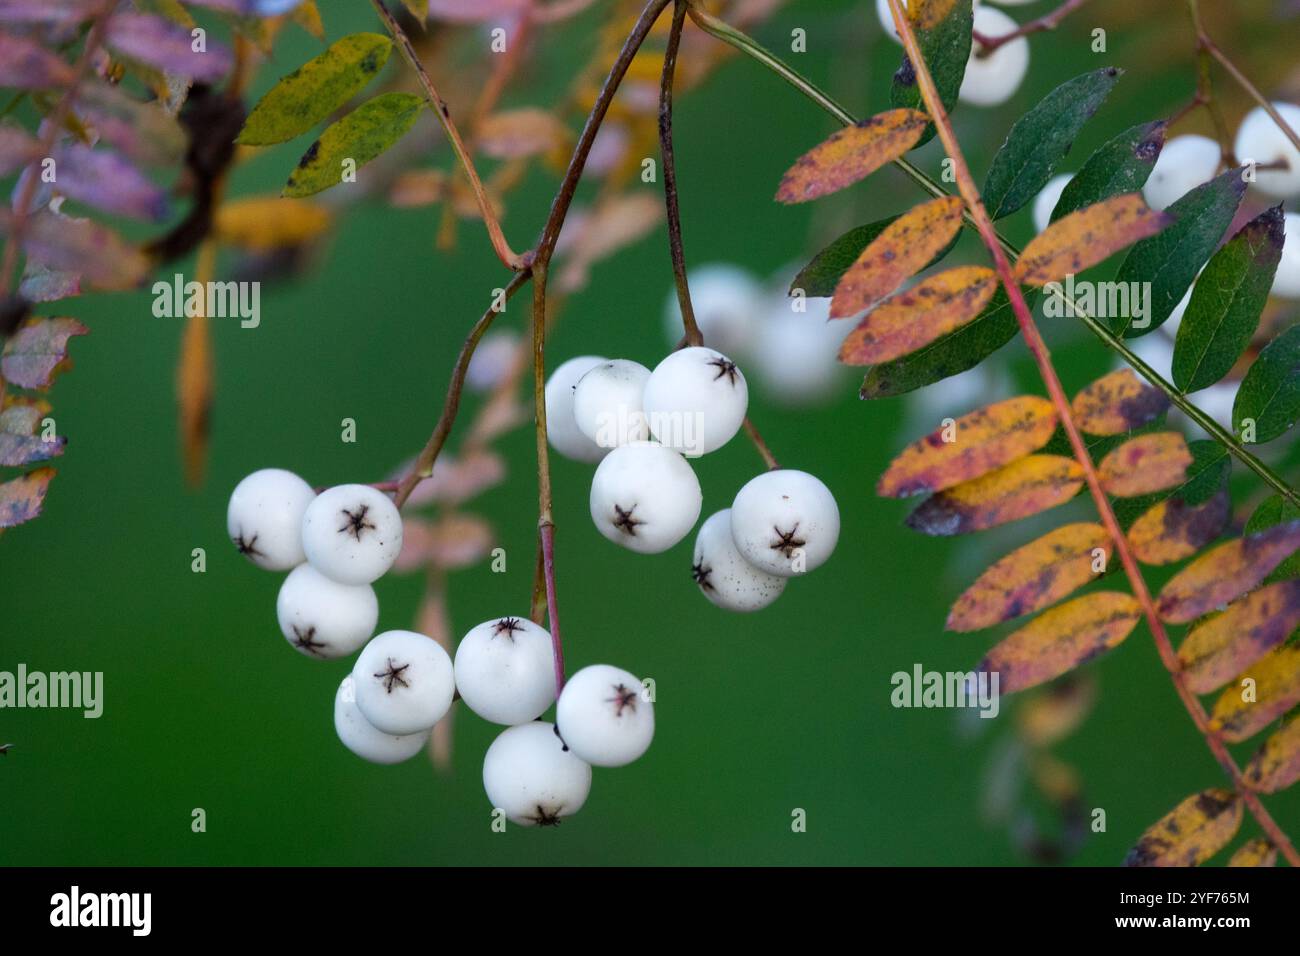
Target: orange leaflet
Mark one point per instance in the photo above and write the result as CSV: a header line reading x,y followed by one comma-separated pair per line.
x,y
1228,643
1062,638
915,318
926,14
1277,765
1086,237
1145,464
1032,577
1256,852
1260,695
1226,573
1117,403
1191,832
905,247
851,154
1015,491
1173,530
971,446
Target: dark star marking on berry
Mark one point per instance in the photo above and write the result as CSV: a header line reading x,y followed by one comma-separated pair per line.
x,y
725,367
306,641
356,523
393,675
701,575
546,818
786,541
624,697
624,521
508,626
248,547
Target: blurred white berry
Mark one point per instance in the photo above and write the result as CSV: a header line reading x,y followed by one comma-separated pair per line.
x,y
492,361
1047,199
645,497
359,736
264,518
785,522
1286,282
321,618
1261,140
505,672
1185,163
724,576
605,716
695,401
561,429
726,300
993,79
796,353
533,778
607,403
404,682
352,533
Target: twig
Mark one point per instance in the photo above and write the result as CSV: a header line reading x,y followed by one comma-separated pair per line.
x,y
693,336
764,452
1038,348
1048,21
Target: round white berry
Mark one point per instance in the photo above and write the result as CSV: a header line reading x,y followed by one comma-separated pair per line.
x,y
796,353
887,18
264,518
724,576
726,300
561,429
491,361
1260,140
645,497
404,682
605,716
1047,199
1286,281
607,403
993,79
352,533
785,522
359,736
505,672
1185,163
695,401
533,778
321,618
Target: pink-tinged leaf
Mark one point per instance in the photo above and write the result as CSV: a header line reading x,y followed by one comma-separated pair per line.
x,y
62,12
19,442
21,498
166,46
38,350
1260,695
145,132
17,149
1227,644
851,154
1225,573
474,11
1086,237
98,254
25,65
41,284
108,182
1145,465
1117,403
1015,491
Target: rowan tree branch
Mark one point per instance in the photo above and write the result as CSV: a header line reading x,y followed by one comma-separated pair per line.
x,y
1048,21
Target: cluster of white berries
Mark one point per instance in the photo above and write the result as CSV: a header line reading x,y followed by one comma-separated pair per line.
x,y
335,545
642,426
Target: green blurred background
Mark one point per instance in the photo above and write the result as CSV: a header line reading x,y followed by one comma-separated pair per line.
x,y
206,706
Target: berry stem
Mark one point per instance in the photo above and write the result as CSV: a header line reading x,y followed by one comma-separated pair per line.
x,y
1048,21
692,330
1038,348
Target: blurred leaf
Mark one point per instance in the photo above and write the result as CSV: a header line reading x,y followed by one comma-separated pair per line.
x,y
98,254
1031,578
1121,165
1226,573
307,16
194,391
1084,238
1062,638
1240,713
982,441
1226,303
515,134
166,46
1270,392
1144,465
1023,488
264,223
1256,852
64,12
820,276
25,65
1117,403
473,11
17,149
945,47
22,498
109,182
362,135
1191,832
1041,138
145,132
38,351
1170,259
1049,715
316,89
615,223
1226,644
19,442
900,250
1277,764
851,154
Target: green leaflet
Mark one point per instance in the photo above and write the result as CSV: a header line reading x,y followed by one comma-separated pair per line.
x,y
946,50
1227,301
1170,259
1041,138
360,136
823,273
959,350
316,89
1122,165
1270,393
1275,510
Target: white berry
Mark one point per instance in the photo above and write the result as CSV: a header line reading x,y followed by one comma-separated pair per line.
x,y
993,79
785,522
359,736
561,429
1047,199
1286,281
1260,140
796,353
645,497
726,301
533,778
352,533
695,401
505,670
404,682
321,618
491,361
724,576
1185,163
605,716
264,518
607,403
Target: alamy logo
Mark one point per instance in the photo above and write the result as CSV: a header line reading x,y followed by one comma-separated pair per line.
x,y
1102,300
75,908
61,689
922,688
179,299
